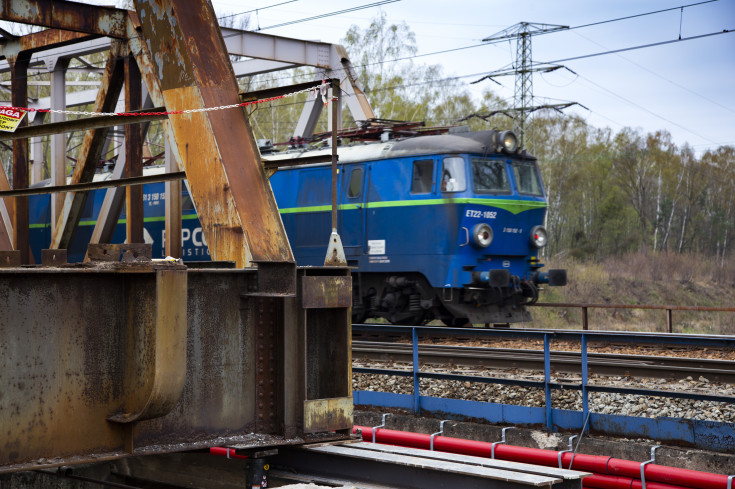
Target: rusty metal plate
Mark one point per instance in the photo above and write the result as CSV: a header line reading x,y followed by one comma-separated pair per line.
x,y
10,259
326,292
328,414
53,258
73,16
276,278
119,252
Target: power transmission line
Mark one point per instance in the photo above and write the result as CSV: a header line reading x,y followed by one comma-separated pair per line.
x,y
662,43
660,76
329,14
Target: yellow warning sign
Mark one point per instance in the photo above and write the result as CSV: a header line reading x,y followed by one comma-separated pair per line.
x,y
10,117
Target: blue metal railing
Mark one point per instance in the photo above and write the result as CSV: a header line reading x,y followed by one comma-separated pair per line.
x,y
707,434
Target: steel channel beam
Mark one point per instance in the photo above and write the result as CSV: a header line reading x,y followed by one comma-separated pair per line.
x,y
41,41
398,470
235,203
81,187
133,154
19,95
72,16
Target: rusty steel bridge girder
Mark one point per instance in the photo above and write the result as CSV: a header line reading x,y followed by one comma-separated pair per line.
x,y
226,178
103,360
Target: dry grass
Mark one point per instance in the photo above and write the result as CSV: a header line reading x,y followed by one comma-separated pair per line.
x,y
666,279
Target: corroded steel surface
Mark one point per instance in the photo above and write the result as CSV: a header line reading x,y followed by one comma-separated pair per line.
x,y
71,340
96,361
133,154
53,258
19,98
74,16
325,292
9,258
322,415
45,39
155,373
233,197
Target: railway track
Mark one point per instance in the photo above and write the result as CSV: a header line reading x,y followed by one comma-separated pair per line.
x,y
608,364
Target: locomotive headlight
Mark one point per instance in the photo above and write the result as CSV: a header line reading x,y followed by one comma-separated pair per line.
x,y
509,141
482,234
539,236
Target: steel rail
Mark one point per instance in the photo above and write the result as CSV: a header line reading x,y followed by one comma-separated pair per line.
x,y
567,362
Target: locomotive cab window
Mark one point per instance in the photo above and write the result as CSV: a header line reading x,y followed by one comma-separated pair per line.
x,y
453,175
490,176
355,187
423,176
527,178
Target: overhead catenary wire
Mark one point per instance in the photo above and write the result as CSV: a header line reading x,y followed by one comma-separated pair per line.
x,y
329,14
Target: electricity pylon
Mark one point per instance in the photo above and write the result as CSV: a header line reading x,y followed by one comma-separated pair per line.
x,y
523,96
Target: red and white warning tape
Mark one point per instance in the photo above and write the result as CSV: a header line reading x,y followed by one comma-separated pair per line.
x,y
316,89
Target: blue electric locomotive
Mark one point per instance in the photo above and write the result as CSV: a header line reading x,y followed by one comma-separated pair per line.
x,y
442,227
437,226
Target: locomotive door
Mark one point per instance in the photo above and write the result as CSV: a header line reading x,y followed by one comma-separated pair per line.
x,y
352,210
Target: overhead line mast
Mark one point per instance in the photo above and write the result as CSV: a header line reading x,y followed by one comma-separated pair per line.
x,y
523,95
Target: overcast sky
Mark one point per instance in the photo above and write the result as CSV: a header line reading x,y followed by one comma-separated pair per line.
x,y
686,88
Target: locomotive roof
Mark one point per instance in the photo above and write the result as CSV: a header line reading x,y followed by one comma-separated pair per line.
x,y
479,142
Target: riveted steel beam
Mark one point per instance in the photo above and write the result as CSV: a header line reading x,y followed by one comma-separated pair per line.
x,y
72,16
234,200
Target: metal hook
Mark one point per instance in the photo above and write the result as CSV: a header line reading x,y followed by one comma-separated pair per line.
x,y
440,432
502,441
571,445
643,465
376,428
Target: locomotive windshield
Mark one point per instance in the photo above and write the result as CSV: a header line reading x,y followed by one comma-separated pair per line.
x,y
490,176
527,178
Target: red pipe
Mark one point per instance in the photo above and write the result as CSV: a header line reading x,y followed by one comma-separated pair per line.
x,y
225,452
599,481
616,473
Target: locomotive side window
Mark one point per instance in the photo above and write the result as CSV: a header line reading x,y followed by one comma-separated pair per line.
x,y
527,178
423,176
490,176
453,176
355,183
